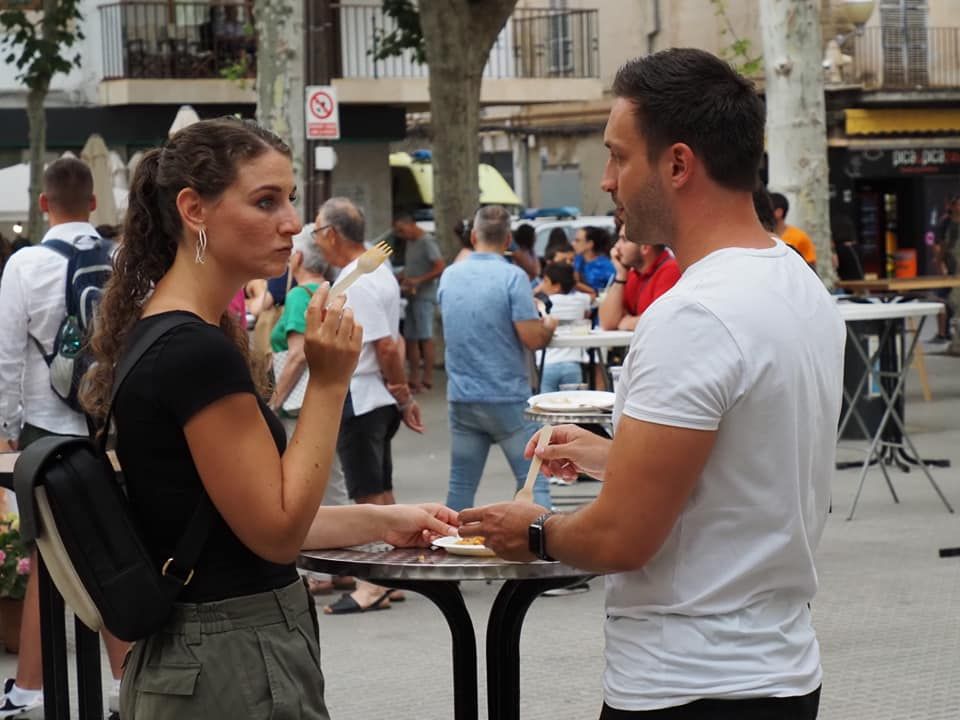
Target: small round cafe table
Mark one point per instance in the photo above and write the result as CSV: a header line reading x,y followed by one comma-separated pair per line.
x,y
436,575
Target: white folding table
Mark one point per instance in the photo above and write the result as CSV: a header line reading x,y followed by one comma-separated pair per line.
x,y
893,446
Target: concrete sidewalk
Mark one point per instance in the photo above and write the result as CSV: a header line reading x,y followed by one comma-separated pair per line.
x,y
886,613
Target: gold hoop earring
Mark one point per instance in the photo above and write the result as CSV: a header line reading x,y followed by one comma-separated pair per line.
x,y
201,245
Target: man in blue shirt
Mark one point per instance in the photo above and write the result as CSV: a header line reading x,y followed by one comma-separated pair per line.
x,y
489,322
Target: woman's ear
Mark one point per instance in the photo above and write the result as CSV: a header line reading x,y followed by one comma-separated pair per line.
x,y
191,209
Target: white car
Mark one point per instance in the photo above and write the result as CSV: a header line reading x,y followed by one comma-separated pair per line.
x,y
569,225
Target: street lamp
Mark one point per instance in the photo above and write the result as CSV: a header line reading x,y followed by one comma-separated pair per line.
x,y
857,13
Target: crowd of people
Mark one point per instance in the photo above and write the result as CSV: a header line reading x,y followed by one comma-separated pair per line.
x,y
715,484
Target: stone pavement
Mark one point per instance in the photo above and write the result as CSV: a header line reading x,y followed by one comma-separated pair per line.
x,y
887,612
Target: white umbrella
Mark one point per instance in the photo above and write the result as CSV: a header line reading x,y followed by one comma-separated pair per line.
x,y
97,157
186,115
118,169
133,162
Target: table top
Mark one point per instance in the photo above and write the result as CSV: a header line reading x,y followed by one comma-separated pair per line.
x,y
575,418
382,561
852,312
592,339
923,282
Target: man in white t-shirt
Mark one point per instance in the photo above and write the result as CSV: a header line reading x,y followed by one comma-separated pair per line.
x,y
379,397
717,482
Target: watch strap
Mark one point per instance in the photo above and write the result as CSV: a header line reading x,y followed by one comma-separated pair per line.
x,y
538,537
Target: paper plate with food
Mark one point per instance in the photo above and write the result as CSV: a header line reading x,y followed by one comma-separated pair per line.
x,y
464,546
574,401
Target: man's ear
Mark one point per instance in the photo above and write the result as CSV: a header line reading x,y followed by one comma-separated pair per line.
x,y
682,161
473,239
93,203
44,203
190,207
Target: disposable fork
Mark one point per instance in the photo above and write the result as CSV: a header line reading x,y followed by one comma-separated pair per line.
x,y
366,263
525,494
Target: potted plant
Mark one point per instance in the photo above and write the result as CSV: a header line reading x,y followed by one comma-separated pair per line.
x,y
14,570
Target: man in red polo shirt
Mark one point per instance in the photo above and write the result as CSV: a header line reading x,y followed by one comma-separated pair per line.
x,y
643,273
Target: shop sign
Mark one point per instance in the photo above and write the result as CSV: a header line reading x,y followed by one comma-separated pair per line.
x,y
903,161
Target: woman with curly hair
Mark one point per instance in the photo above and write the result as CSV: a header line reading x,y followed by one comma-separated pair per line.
x,y
210,211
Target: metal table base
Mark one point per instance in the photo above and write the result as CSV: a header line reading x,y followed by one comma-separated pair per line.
x,y
436,575
890,444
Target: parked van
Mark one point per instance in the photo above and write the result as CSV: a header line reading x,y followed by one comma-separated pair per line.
x,y
411,179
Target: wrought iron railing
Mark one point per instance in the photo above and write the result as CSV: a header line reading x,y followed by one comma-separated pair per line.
x,y
161,39
534,43
907,58
178,40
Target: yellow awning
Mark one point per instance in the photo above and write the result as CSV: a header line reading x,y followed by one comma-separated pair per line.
x,y
891,122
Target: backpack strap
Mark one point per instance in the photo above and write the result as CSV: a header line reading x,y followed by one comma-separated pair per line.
x,y
177,571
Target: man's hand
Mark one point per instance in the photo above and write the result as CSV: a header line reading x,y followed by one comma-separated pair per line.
x,y
411,417
617,258
417,525
505,527
572,451
8,445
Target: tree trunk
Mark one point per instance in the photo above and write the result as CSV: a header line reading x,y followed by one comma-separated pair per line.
x,y
37,119
796,118
458,36
280,90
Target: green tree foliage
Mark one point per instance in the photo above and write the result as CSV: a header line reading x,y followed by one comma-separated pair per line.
x,y
407,35
39,43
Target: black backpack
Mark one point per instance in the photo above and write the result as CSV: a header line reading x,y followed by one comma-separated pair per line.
x,y
73,503
88,270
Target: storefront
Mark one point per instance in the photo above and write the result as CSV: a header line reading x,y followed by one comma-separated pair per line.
x,y
895,188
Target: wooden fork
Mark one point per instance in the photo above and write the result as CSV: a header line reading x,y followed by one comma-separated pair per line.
x,y
366,263
525,494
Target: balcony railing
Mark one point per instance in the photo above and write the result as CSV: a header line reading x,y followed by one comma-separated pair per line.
x,y
907,58
178,40
161,39
534,43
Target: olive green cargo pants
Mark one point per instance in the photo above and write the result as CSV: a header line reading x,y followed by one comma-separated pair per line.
x,y
248,657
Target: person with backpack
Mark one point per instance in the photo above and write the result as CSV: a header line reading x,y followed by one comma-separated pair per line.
x,y
207,213
48,294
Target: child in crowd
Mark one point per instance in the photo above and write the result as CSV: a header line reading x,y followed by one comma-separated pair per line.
x,y
559,253
562,365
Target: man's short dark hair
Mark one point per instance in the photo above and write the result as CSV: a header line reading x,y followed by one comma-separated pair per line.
x,y
403,216
561,275
763,204
524,236
556,249
685,95
68,185
780,202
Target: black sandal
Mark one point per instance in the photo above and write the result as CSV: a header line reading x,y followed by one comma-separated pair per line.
x,y
346,605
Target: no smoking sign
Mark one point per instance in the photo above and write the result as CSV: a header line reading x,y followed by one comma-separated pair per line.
x,y
322,113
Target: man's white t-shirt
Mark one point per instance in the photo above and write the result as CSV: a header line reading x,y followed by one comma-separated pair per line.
x,y
375,301
748,344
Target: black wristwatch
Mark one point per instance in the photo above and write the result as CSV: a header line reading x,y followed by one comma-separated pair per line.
x,y
619,282
537,537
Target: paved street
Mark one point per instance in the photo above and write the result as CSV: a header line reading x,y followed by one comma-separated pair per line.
x,y
886,613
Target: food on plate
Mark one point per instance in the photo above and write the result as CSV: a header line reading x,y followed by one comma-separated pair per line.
x,y
475,540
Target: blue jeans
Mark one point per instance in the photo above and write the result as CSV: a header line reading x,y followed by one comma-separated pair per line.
x,y
561,373
474,427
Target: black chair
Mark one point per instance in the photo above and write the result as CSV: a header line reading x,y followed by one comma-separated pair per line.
x,y
849,266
